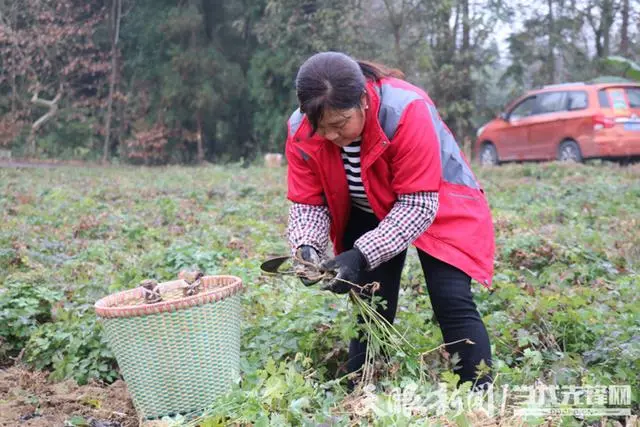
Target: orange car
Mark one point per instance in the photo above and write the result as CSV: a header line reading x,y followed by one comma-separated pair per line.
x,y
572,121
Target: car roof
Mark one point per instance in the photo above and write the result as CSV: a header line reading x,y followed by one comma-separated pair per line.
x,y
622,84
570,86
582,85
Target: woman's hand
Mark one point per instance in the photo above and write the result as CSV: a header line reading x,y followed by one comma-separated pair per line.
x,y
347,267
310,255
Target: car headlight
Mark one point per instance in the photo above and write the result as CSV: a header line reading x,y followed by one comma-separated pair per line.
x,y
480,130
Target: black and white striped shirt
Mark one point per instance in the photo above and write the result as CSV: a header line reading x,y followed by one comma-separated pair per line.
x,y
351,161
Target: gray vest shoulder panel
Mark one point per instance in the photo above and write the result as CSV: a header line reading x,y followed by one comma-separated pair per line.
x,y
295,120
454,168
393,102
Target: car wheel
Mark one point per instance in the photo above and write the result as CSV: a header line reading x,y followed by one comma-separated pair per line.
x,y
488,155
569,151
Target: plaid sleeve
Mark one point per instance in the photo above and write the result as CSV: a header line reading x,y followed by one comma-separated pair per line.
x,y
411,215
309,225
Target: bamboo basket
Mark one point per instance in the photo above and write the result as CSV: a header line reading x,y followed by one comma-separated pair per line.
x,y
176,356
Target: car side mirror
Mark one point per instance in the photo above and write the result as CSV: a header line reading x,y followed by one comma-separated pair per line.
x,y
504,117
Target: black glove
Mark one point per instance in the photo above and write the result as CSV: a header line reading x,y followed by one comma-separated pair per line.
x,y
347,267
308,254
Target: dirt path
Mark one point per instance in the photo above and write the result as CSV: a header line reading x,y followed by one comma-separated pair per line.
x,y
40,164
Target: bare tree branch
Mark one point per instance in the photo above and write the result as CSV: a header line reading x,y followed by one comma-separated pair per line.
x,y
53,109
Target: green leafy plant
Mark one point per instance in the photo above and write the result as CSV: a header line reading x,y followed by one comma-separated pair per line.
x,y
73,347
24,307
280,393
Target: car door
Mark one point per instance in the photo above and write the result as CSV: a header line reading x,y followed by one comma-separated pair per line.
x,y
512,143
548,124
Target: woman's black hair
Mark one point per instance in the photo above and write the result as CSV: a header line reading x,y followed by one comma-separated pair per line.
x,y
334,80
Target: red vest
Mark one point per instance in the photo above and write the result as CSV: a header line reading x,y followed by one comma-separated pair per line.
x,y
406,148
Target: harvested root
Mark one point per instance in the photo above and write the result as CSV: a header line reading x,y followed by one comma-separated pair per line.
x,y
151,291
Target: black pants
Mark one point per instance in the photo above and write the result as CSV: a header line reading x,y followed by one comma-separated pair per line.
x,y
450,293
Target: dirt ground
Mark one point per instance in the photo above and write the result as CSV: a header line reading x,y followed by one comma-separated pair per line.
x,y
28,399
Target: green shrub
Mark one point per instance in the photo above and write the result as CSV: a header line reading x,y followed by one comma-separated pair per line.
x,y
23,308
72,347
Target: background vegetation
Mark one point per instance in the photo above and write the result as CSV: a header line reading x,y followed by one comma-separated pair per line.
x,y
158,81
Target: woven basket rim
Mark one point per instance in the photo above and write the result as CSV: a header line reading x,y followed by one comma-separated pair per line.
x,y
215,290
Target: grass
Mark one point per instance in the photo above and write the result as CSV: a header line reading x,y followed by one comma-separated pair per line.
x,y
564,310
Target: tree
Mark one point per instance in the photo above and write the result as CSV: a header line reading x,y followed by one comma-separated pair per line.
x,y
600,15
289,33
116,13
49,52
624,30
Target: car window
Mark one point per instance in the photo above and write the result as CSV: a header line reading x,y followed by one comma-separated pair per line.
x,y
523,109
577,100
603,99
618,99
551,102
633,94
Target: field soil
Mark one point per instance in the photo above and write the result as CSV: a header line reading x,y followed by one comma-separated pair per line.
x,y
28,399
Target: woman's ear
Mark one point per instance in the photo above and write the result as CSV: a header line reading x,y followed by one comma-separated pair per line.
x,y
364,100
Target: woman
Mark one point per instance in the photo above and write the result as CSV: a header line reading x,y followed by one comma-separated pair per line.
x,y
372,164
